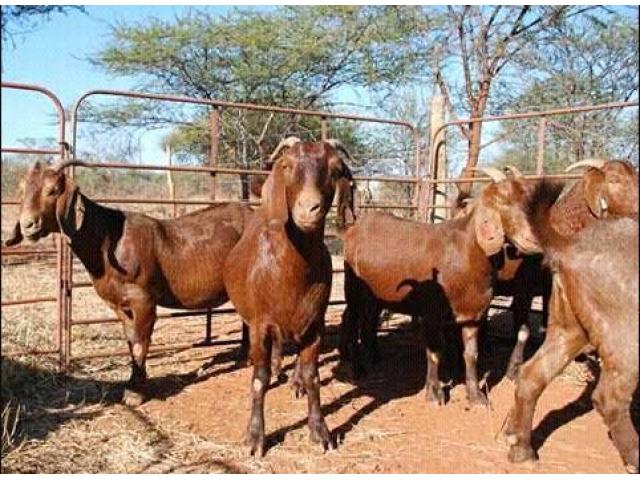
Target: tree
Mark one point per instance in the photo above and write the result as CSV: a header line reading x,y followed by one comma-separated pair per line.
x,y
17,19
290,56
478,44
593,62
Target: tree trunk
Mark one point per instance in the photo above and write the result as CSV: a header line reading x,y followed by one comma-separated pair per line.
x,y
475,137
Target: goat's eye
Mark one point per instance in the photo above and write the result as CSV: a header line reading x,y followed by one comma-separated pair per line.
x,y
52,191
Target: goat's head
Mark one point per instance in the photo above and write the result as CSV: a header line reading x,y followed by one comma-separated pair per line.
x,y
303,180
500,214
48,199
609,187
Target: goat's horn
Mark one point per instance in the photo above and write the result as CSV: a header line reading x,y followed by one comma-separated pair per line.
x,y
69,163
338,145
590,162
287,142
491,172
514,171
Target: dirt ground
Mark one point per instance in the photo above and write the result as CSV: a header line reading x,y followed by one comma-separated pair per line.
x,y
75,422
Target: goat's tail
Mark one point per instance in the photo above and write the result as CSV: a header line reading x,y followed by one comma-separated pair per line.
x,y
543,197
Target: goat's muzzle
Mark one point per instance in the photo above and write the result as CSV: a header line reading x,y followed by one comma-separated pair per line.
x,y
31,227
308,213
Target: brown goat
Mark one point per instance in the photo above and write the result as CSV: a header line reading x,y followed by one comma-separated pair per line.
x,y
594,301
433,271
608,189
279,274
135,262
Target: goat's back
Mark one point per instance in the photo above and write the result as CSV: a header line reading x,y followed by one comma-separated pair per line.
x,y
599,274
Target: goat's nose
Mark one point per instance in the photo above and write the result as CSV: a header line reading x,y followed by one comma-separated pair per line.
x,y
310,207
29,223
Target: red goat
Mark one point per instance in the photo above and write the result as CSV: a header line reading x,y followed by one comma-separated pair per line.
x,y
135,262
279,274
433,271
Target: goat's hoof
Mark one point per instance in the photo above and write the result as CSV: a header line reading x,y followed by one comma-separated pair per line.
x,y
132,398
298,389
255,442
477,399
631,468
435,395
512,373
521,453
319,433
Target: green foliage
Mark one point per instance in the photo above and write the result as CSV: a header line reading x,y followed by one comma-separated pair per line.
x,y
17,19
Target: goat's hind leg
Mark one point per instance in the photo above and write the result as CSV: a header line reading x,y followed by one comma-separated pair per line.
x,y
612,398
520,307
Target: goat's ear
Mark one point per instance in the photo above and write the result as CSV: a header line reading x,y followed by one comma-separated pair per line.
x,y
344,197
70,211
488,228
16,236
274,195
593,188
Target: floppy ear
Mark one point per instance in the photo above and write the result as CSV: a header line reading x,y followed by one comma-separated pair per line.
x,y
593,189
274,196
70,214
344,200
344,197
488,228
16,236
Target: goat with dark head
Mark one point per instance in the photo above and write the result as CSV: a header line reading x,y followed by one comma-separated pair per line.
x,y
432,271
279,274
135,262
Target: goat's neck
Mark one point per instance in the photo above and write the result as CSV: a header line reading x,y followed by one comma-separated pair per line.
x,y
466,227
304,242
101,226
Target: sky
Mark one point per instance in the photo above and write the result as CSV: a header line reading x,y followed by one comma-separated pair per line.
x,y
55,54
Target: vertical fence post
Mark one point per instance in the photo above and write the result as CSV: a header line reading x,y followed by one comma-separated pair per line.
x,y
170,184
323,129
59,333
214,132
542,127
437,166
438,160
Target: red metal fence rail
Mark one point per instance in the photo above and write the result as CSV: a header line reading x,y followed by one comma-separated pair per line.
x,y
423,204
213,169
435,147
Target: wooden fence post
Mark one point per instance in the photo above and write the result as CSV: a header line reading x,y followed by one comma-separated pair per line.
x,y
431,193
438,160
214,132
170,184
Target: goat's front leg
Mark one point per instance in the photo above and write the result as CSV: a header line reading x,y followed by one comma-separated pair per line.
x,y
558,349
470,340
138,322
308,360
260,354
433,346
